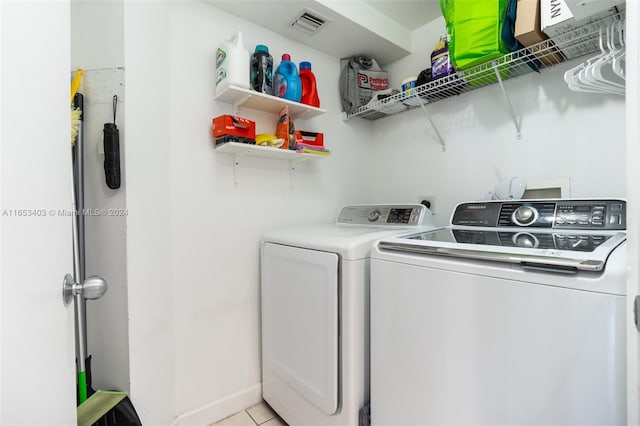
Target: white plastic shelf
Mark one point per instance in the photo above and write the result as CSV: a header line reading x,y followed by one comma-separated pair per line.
x,y
243,149
241,97
239,150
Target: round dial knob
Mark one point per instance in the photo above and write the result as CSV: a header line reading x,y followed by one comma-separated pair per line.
x,y
524,215
525,240
373,215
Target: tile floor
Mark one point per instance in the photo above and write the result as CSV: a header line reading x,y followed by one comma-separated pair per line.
x,y
260,414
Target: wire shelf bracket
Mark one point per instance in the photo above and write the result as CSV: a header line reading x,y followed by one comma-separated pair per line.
x,y
514,116
433,126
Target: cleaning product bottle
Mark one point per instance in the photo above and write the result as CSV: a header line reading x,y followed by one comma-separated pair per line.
x,y
262,70
309,89
287,84
232,64
440,61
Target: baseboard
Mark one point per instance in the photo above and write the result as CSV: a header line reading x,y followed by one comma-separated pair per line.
x,y
218,410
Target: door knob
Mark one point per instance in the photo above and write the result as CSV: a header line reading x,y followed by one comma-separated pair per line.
x,y
93,287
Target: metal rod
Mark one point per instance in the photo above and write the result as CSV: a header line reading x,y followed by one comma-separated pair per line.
x,y
514,117
79,240
433,126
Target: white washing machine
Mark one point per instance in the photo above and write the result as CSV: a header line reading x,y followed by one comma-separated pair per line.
x,y
315,312
513,315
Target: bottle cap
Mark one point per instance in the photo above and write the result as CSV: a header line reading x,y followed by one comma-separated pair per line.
x,y
304,65
262,48
286,57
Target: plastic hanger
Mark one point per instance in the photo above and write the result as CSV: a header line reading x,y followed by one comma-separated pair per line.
x,y
591,75
596,74
601,73
572,76
619,60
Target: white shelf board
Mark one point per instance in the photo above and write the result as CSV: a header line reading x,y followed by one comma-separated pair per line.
x,y
242,149
246,98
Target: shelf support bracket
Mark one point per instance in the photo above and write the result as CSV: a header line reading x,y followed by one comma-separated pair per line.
x,y
236,165
292,172
237,104
517,122
433,126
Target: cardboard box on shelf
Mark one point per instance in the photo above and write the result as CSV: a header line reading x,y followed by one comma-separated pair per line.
x,y
561,26
528,32
582,9
234,128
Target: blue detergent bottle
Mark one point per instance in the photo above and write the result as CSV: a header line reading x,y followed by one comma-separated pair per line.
x,y
287,80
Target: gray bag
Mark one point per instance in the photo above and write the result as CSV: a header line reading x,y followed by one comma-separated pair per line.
x,y
360,78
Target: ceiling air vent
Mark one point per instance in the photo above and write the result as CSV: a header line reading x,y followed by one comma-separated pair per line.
x,y
309,21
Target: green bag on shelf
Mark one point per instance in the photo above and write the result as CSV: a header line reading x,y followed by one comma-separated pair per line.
x,y
475,30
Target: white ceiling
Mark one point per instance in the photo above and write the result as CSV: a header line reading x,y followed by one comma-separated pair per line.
x,y
378,28
411,14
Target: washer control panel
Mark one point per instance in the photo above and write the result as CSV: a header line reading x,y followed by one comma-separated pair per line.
x,y
572,241
391,214
607,214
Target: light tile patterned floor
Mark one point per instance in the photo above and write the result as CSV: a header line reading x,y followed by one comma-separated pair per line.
x,y
260,414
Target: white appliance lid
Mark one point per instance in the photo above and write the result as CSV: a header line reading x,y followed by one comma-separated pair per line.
x,y
351,242
356,228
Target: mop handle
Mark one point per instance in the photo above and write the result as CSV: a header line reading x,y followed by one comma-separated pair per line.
x,y
78,252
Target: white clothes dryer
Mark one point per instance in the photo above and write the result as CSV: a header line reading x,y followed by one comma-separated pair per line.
x,y
514,314
315,312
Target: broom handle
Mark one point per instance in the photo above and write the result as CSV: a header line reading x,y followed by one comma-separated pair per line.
x,y
79,253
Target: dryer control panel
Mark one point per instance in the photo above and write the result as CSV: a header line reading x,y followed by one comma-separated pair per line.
x,y
385,215
607,214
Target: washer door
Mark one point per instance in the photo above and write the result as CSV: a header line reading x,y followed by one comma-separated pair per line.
x,y
300,321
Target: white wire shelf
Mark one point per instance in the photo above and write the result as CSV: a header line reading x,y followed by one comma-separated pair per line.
x,y
576,43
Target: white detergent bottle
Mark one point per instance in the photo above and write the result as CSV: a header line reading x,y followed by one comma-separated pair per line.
x,y
232,64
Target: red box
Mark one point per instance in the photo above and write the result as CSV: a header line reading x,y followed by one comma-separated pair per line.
x,y
310,138
231,125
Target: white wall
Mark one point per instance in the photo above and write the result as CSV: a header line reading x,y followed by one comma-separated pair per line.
x,y
97,47
193,238
147,164
565,134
